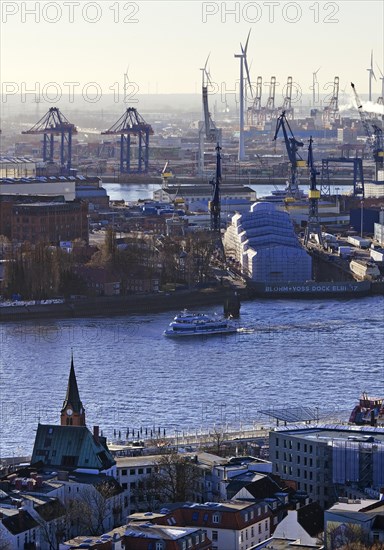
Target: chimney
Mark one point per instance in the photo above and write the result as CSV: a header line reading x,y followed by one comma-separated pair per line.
x,y
96,434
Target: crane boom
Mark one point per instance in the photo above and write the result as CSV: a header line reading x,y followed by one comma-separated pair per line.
x,y
375,138
292,145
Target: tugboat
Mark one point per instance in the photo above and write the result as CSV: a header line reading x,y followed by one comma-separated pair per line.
x,y
370,410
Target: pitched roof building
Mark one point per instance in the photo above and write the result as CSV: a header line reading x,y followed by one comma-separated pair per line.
x,y
72,445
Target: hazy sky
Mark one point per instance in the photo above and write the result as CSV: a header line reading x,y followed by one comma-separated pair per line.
x,y
164,43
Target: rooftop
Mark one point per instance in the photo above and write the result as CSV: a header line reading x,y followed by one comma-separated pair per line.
x,y
331,432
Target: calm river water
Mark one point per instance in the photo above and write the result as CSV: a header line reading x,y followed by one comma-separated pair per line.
x,y
314,353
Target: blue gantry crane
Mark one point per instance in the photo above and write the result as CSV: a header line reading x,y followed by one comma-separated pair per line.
x,y
131,124
292,145
313,223
52,124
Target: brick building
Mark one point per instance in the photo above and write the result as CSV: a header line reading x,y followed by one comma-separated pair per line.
x,y
46,221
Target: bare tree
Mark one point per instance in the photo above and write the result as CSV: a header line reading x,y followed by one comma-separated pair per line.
x,y
176,478
345,537
89,510
218,437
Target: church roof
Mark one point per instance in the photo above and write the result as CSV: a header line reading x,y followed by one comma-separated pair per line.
x,y
73,397
70,447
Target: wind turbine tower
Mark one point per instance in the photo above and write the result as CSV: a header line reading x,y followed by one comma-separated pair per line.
x,y
371,74
380,100
243,63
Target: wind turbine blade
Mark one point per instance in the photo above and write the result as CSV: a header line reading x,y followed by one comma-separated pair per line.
x,y
372,60
246,44
206,63
248,77
379,70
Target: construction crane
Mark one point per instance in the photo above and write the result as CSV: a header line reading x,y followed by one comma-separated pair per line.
x,y
331,113
52,124
313,224
375,137
214,205
131,123
292,146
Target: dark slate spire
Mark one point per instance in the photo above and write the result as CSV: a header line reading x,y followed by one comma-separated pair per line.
x,y
72,398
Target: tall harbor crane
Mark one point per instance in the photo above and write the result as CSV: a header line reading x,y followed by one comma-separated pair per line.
x,y
313,223
292,145
375,137
270,105
287,105
331,112
52,124
131,124
214,205
207,129
254,112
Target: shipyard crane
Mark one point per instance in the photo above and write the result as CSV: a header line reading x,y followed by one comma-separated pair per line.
x,y
214,205
254,112
52,124
270,105
313,223
166,174
212,133
315,88
207,129
132,124
287,105
292,145
375,137
331,113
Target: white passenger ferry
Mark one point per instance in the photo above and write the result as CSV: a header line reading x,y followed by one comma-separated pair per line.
x,y
192,324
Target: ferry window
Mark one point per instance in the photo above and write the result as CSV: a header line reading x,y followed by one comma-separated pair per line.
x,y
132,472
123,472
140,471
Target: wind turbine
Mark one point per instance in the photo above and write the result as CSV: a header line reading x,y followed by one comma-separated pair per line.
x,y
380,100
243,63
315,87
371,74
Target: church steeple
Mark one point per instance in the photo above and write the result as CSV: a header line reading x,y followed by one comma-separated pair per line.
x,y
72,413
